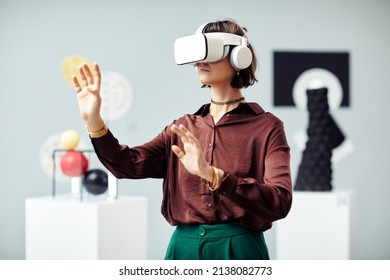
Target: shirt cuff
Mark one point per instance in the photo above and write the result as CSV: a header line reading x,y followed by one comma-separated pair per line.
x,y
228,185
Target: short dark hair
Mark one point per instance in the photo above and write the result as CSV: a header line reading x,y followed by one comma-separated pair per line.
x,y
246,77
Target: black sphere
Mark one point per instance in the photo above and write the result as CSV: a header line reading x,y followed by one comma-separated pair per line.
x,y
95,181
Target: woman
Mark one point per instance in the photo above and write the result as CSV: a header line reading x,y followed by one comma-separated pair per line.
x,y
225,169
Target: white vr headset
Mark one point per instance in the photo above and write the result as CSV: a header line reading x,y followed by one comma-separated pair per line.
x,y
212,47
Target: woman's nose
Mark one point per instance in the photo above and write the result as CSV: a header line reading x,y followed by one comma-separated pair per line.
x,y
200,64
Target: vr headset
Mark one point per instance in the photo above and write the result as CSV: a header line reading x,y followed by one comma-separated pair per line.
x,y
212,47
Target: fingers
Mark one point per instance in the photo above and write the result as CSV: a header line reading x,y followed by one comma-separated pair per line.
x,y
88,74
190,142
87,77
183,132
76,83
98,76
188,137
179,131
82,74
178,152
183,137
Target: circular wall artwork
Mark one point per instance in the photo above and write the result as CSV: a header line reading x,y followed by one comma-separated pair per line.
x,y
117,95
115,91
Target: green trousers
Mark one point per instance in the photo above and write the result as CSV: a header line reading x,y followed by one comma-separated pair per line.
x,y
216,242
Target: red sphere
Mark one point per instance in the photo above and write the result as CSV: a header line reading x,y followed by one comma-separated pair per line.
x,y
74,164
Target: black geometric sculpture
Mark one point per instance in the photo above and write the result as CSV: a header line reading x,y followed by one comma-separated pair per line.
x,y
315,170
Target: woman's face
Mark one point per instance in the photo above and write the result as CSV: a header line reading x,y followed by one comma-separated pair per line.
x,y
216,74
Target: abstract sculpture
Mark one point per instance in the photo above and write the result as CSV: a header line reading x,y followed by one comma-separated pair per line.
x,y
315,170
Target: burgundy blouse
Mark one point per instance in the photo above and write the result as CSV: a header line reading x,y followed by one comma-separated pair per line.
x,y
247,143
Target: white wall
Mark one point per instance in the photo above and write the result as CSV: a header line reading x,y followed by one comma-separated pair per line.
x,y
135,39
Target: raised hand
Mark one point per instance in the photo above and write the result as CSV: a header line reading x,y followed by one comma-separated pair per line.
x,y
192,157
88,96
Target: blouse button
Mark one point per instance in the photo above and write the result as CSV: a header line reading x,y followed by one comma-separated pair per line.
x,y
209,205
210,145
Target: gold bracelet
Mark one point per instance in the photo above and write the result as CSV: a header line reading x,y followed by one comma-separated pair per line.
x,y
101,132
213,177
216,182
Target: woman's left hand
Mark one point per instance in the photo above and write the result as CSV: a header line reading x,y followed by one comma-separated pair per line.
x,y
192,157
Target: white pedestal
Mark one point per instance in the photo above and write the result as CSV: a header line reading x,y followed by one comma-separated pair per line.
x,y
65,228
320,226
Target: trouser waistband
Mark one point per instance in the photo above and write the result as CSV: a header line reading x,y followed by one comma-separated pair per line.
x,y
211,231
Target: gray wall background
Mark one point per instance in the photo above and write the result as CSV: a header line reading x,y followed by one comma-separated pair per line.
x,y
135,38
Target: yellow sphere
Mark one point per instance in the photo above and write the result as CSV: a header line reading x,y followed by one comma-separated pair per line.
x,y
70,139
70,67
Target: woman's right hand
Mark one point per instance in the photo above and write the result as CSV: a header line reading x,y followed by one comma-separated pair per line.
x,y
88,96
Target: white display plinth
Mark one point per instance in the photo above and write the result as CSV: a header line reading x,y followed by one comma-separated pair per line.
x,y
320,226
64,228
